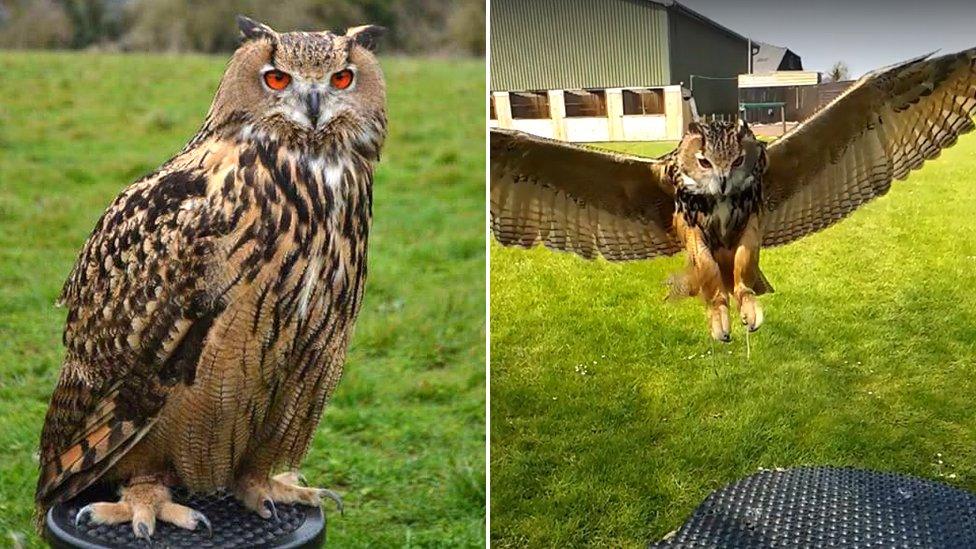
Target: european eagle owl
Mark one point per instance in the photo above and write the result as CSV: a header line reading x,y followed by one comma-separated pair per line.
x,y
723,194
210,310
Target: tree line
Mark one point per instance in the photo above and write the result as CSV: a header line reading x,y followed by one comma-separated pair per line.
x,y
449,27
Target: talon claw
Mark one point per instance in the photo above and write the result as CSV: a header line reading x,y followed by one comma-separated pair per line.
x,y
202,519
334,497
143,531
84,512
270,506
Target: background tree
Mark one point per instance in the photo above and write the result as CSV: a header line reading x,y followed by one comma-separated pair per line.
x,y
35,24
838,73
415,26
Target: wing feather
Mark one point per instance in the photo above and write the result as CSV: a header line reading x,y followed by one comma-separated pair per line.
x,y
884,127
135,298
579,200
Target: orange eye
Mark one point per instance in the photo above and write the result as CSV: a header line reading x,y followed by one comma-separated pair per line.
x,y
276,79
342,79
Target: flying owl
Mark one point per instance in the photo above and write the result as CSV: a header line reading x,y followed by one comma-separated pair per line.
x,y
722,195
210,310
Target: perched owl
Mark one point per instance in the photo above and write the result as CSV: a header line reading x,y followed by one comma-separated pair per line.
x,y
723,194
210,310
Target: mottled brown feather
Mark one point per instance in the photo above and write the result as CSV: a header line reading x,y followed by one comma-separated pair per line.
x,y
881,129
133,295
579,200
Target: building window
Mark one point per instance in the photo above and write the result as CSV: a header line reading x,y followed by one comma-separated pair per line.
x,y
491,108
585,103
640,102
529,105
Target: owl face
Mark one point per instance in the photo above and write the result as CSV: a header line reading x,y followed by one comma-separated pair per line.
x,y
304,87
718,158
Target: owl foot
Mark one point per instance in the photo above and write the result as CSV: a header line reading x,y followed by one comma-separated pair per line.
x,y
750,311
142,504
261,496
718,321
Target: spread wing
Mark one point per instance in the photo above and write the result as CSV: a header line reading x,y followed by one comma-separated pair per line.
x,y
579,200
885,126
138,312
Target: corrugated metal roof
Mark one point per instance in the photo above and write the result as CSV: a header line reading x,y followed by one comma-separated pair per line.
x,y
565,44
692,13
561,44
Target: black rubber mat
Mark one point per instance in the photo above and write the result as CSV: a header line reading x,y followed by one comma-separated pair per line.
x,y
831,507
233,526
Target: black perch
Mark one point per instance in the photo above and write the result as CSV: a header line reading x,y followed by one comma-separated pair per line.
x,y
234,526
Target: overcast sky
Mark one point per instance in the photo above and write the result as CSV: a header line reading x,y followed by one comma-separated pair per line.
x,y
864,34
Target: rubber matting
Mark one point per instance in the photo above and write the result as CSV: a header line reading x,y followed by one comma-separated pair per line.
x,y
831,507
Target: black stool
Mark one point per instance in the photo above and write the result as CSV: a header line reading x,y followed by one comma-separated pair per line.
x,y
233,525
831,507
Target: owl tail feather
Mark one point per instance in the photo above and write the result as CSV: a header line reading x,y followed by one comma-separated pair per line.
x,y
82,463
681,285
762,285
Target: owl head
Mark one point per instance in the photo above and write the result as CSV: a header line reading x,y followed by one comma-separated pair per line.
x,y
303,88
718,158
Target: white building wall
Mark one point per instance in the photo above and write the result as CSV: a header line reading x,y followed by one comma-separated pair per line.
x,y
542,127
651,127
587,130
614,127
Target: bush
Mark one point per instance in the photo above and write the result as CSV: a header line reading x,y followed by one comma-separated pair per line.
x,y
38,24
415,26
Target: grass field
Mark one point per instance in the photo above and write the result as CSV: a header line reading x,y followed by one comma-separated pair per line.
x,y
613,415
403,440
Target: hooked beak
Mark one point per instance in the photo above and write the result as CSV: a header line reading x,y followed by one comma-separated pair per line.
x,y
313,104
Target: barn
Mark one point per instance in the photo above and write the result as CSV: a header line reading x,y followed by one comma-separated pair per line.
x,y
609,70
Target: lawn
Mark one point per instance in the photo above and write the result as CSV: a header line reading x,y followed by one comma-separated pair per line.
x,y
403,440
613,415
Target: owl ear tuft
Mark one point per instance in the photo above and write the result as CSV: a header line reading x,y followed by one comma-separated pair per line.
x,y
252,30
744,129
367,36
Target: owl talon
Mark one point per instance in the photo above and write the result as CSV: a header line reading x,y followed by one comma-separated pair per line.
x,y
750,311
83,513
719,323
271,509
202,519
142,531
325,492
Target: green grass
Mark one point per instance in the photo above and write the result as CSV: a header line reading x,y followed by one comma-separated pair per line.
x,y
403,439
613,415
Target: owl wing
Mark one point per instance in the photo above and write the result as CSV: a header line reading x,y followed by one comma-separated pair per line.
x,y
579,200
138,312
886,125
